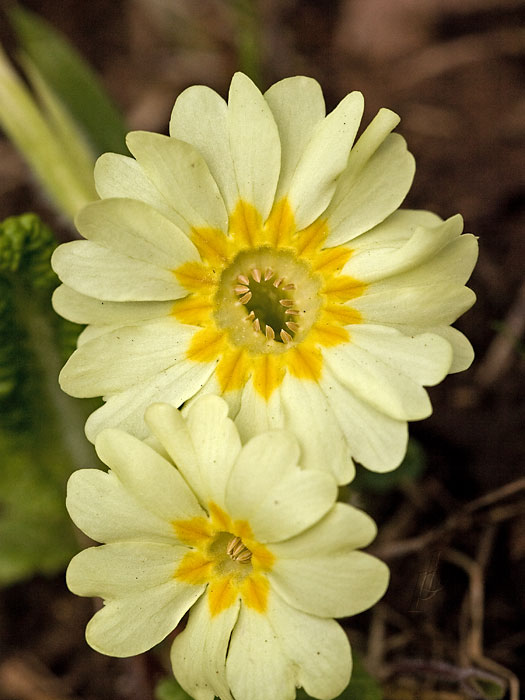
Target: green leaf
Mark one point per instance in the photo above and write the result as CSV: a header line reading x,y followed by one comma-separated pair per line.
x,y
38,441
70,77
169,689
488,689
362,686
35,531
410,469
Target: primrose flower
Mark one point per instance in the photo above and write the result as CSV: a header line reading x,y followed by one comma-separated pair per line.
x,y
255,547
257,254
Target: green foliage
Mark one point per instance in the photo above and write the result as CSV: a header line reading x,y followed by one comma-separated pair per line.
x,y
169,689
71,79
486,688
410,469
35,533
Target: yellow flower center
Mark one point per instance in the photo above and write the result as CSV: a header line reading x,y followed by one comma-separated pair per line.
x,y
267,298
225,556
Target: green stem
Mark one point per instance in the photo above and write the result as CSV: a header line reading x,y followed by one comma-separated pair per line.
x,y
248,39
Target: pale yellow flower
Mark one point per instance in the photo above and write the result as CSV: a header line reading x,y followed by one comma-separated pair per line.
x,y
256,253
255,547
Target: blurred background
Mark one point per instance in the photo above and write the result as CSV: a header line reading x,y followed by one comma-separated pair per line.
x,y
452,522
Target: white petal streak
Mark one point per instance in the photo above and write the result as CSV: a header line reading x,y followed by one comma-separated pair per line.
x,y
80,308
132,625
308,414
267,488
198,654
101,507
123,568
350,582
200,117
254,143
318,649
324,158
121,176
256,667
376,440
297,105
94,270
135,229
151,479
365,198
180,173
121,358
126,409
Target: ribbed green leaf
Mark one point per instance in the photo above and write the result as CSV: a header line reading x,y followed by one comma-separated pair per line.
x,y
38,452
70,77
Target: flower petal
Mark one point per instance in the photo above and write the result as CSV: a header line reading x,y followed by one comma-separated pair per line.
x,y
317,649
369,265
181,175
324,158
376,440
198,654
101,507
90,269
308,414
126,409
345,527
297,105
423,358
365,198
351,581
268,489
254,143
217,445
257,414
387,369
256,667
121,176
80,308
132,625
136,230
122,569
208,134
395,229
432,305
463,353
126,356
453,263
152,480
169,427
